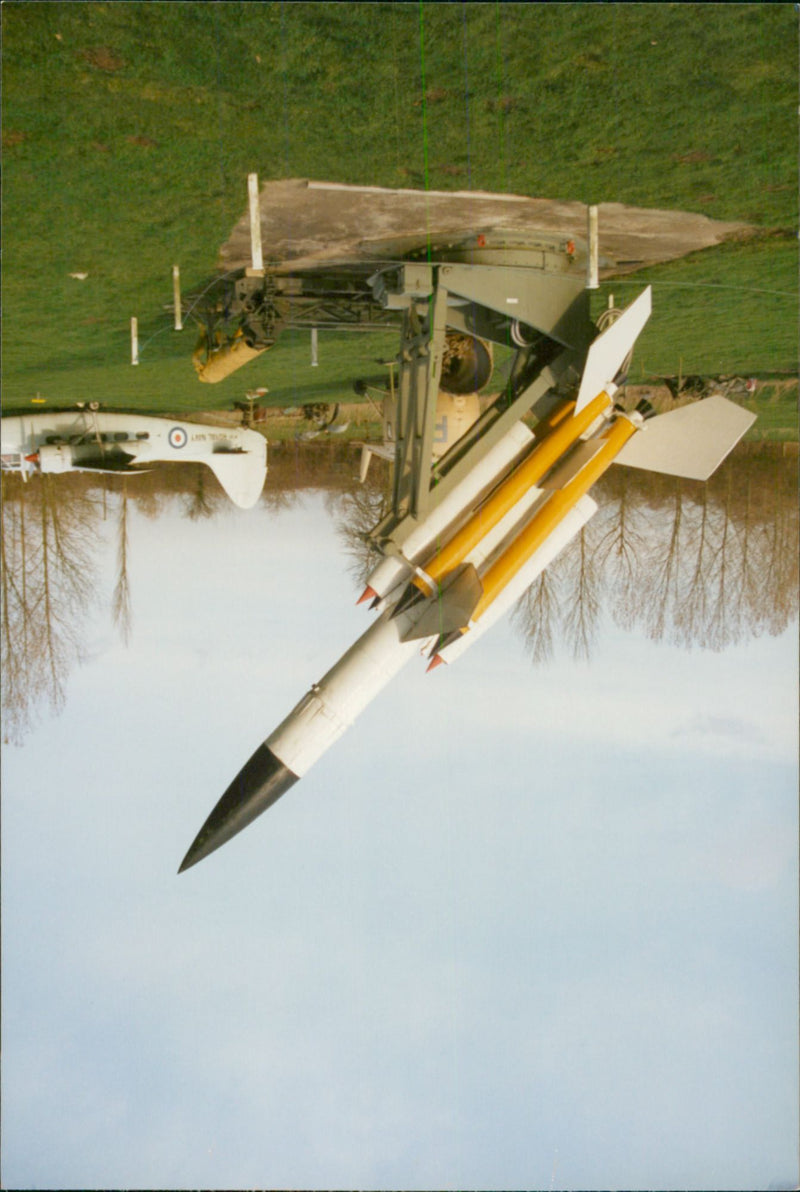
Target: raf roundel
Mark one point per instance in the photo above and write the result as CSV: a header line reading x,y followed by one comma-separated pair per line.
x,y
177,437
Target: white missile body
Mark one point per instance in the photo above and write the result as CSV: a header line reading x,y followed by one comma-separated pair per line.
x,y
104,440
332,705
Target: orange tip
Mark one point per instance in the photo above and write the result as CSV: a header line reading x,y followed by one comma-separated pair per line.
x,y
437,660
368,594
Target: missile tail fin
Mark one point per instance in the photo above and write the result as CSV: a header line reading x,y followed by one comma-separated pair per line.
x,y
691,441
608,352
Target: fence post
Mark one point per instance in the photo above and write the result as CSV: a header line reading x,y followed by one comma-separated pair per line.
x,y
176,296
134,340
592,263
255,223
314,347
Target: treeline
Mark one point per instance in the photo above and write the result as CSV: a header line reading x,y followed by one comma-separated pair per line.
x,y
684,562
694,564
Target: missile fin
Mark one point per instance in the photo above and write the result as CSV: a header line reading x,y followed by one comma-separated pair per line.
x,y
608,352
452,607
691,441
411,596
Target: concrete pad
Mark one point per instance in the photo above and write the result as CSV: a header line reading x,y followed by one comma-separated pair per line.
x,y
309,223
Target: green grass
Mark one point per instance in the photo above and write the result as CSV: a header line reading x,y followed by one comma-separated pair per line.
x,y
164,381
730,309
776,407
129,129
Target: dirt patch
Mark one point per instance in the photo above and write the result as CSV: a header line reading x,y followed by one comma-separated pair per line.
x,y
695,157
103,58
308,223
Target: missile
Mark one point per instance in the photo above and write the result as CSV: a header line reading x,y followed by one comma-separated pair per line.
x,y
332,704
491,566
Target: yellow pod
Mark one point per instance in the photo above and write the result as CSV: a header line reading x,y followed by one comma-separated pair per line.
x,y
541,458
545,521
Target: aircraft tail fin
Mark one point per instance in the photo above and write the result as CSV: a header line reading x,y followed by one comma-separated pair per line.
x,y
241,474
691,441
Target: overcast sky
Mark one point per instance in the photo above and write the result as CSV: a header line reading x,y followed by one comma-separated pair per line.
x,y
522,927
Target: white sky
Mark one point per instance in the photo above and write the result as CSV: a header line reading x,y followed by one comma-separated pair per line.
x,y
520,927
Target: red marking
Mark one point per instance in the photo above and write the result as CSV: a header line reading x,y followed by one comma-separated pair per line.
x,y
437,660
571,247
368,594
481,241
32,459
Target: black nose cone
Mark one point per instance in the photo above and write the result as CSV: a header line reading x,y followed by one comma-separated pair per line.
x,y
258,785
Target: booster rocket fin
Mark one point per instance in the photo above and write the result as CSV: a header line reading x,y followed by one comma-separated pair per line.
x,y
452,607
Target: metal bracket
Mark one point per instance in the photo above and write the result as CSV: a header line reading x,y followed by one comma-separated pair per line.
x,y
420,366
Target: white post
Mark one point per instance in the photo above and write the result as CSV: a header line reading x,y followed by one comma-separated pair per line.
x,y
314,346
255,222
176,295
592,264
134,340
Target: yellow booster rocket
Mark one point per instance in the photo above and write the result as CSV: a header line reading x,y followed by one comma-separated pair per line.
x,y
541,458
591,460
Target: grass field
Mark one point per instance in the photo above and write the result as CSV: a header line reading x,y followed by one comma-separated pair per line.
x,y
129,129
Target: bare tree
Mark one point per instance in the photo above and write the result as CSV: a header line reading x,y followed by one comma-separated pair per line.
x,y
536,614
201,503
121,609
581,608
355,512
48,586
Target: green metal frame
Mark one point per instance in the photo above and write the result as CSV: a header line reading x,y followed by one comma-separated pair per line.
x,y
479,299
